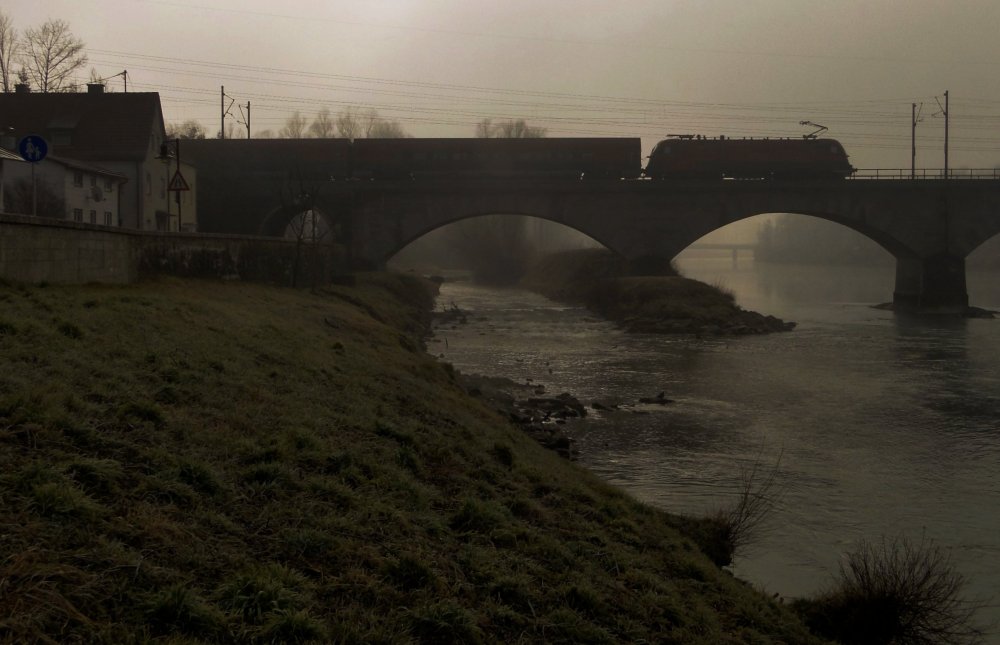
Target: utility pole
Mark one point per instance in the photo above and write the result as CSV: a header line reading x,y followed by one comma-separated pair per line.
x,y
248,119
222,111
946,134
913,140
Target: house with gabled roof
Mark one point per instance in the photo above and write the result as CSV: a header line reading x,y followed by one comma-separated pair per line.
x,y
121,133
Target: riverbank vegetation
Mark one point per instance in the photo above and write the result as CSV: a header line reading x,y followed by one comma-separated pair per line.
x,y
895,591
644,296
187,461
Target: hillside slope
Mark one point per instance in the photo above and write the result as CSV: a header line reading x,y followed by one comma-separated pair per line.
x,y
188,461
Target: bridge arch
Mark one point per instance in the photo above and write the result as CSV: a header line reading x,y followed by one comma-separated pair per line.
x,y
496,248
888,244
418,234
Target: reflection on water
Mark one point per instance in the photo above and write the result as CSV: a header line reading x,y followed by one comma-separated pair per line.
x,y
884,424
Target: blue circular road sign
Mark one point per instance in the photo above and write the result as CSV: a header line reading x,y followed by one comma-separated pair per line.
x,y
33,148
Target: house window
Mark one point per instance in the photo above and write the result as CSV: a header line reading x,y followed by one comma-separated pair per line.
x,y
107,218
108,185
93,217
77,178
163,187
77,214
93,181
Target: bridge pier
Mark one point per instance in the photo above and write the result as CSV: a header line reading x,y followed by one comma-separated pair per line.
x,y
931,285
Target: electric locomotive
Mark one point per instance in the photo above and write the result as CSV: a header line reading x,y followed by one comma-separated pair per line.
x,y
696,157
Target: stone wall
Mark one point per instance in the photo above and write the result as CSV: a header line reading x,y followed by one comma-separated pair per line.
x,y
56,251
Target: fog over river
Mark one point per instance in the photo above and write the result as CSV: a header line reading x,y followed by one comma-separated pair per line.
x,y
884,424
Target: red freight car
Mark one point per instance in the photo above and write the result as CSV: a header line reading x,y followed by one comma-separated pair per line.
x,y
703,158
466,157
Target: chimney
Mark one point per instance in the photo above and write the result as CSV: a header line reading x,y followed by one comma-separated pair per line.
x,y
95,88
22,88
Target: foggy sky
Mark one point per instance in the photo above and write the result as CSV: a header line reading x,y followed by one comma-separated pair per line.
x,y
578,67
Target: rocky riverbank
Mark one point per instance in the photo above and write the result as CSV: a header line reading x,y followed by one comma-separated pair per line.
x,y
664,303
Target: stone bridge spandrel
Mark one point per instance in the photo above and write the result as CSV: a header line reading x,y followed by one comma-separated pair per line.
x,y
930,226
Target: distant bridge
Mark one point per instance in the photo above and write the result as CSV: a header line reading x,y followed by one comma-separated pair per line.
x,y
734,249
929,224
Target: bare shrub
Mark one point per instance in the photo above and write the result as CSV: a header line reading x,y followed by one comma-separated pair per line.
x,y
758,492
722,534
895,591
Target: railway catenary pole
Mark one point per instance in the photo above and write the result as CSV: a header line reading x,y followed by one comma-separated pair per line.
x,y
222,111
946,134
913,140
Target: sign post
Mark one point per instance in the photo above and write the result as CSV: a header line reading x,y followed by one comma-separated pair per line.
x,y
33,149
177,182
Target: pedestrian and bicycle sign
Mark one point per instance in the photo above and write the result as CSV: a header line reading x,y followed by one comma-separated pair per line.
x,y
33,148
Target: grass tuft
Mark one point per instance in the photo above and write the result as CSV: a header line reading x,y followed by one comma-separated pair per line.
x,y
61,499
260,592
179,609
69,330
445,623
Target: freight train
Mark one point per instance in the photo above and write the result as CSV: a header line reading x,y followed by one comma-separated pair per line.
x,y
568,158
557,158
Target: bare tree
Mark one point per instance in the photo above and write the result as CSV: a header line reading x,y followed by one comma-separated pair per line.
x,y
510,129
264,134
51,54
230,131
190,129
352,124
8,51
295,127
484,129
323,126
383,129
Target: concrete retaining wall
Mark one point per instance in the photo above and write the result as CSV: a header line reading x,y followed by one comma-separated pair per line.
x,y
56,251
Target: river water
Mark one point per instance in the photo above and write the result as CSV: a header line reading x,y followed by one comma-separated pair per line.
x,y
878,424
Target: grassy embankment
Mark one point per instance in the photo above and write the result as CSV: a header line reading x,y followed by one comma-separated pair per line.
x,y
193,461
663,303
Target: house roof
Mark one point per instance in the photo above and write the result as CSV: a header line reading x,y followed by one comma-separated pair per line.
x,y
72,164
80,165
103,126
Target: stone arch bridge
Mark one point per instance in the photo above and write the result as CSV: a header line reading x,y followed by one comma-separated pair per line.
x,y
929,225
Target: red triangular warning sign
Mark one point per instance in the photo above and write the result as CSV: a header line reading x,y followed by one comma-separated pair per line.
x,y
178,182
